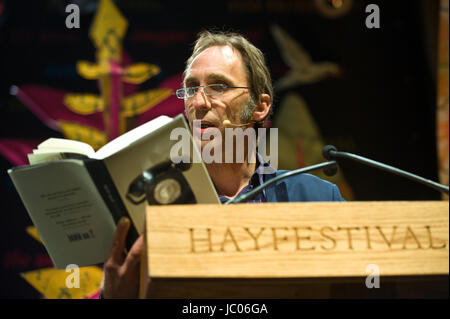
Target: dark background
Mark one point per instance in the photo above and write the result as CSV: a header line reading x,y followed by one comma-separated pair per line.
x,y
382,106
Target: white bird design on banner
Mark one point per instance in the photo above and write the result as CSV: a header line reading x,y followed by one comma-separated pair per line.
x,y
303,69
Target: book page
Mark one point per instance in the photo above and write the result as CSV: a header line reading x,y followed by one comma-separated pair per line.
x,y
48,156
54,149
64,145
36,158
71,217
130,137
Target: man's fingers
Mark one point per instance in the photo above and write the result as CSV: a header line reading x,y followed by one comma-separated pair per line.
x,y
118,244
134,255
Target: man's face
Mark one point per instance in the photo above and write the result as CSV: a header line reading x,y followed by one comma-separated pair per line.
x,y
217,65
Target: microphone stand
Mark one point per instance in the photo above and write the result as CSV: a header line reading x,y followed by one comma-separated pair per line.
x,y
329,168
330,152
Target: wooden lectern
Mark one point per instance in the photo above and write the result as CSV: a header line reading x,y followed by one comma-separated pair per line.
x,y
297,250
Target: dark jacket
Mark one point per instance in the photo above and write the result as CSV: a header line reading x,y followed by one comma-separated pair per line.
x,y
301,188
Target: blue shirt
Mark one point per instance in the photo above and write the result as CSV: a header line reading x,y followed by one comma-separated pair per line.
x,y
255,180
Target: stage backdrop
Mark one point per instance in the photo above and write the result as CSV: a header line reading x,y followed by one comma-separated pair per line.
x,y
371,91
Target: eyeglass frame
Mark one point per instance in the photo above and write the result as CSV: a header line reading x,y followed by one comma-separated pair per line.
x,y
223,86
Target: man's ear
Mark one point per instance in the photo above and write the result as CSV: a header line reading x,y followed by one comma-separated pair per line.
x,y
262,108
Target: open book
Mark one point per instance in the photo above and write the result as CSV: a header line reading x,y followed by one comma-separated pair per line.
x,y
75,196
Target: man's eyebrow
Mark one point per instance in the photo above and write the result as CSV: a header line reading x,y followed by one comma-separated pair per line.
x,y
219,77
213,77
190,80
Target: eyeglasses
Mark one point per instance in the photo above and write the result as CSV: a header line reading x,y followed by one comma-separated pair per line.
x,y
209,90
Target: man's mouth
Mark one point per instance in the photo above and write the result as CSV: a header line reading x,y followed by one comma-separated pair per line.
x,y
204,126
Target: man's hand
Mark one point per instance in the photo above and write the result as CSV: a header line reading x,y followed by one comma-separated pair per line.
x,y
122,272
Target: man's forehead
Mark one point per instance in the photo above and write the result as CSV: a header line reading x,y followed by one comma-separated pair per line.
x,y
228,53
222,55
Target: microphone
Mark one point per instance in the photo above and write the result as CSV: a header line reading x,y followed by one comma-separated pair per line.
x,y
329,168
330,152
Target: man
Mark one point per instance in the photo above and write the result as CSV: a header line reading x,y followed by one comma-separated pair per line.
x,y
226,83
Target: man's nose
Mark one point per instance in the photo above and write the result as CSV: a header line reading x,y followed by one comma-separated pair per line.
x,y
200,100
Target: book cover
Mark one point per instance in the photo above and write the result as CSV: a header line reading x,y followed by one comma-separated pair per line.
x,y
75,203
